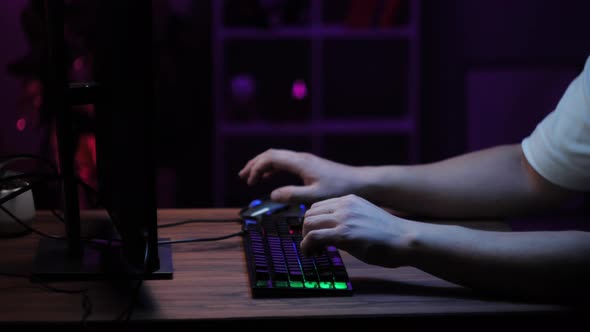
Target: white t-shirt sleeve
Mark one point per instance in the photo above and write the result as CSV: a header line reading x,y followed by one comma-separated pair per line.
x,y
559,147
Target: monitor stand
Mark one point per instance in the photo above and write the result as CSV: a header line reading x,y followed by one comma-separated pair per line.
x,y
53,262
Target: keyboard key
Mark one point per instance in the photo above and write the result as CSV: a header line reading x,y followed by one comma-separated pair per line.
x,y
273,249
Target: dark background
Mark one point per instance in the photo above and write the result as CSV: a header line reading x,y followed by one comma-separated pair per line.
x,y
489,70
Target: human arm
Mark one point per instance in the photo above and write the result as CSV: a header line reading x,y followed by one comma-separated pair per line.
x,y
533,265
493,182
487,183
321,178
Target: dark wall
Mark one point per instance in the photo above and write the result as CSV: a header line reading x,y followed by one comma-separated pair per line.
x,y
13,45
497,64
492,69
185,119
182,56
463,37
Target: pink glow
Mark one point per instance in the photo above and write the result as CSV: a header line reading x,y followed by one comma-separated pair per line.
x,y
21,124
78,64
299,90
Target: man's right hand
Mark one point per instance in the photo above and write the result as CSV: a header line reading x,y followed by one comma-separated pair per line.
x,y
322,178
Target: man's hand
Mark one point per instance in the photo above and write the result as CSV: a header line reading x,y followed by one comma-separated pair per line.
x,y
357,226
321,178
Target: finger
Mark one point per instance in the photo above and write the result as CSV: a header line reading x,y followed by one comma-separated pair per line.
x,y
268,174
274,160
244,172
325,202
252,161
259,167
321,210
314,223
315,242
298,194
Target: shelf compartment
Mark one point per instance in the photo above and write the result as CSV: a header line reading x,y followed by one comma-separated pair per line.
x,y
309,33
400,126
264,14
367,13
267,81
365,78
367,149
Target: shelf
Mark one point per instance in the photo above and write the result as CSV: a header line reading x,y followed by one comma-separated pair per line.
x,y
325,32
371,81
361,72
367,149
401,126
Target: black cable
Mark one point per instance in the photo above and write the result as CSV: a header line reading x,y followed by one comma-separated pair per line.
x,y
178,223
191,221
93,241
30,186
29,228
23,176
205,239
129,311
86,301
33,230
25,188
165,225
58,216
13,275
131,307
12,158
88,188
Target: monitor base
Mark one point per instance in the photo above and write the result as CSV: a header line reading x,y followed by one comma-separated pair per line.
x,y
98,262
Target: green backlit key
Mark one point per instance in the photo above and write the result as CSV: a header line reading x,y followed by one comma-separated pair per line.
x,y
275,263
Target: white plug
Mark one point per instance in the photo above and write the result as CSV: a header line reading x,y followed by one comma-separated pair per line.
x,y
21,206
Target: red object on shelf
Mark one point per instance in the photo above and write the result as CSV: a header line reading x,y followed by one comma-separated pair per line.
x,y
21,124
373,13
360,13
390,15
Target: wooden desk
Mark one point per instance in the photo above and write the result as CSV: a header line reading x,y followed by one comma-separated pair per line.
x,y
210,286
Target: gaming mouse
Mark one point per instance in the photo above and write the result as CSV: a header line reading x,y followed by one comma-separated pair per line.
x,y
260,207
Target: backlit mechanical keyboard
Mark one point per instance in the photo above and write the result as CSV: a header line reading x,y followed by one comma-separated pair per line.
x,y
276,266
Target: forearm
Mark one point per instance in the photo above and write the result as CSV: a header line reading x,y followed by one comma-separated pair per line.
x,y
488,183
540,265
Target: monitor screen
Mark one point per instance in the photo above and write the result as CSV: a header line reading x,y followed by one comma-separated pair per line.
x,y
124,130
125,126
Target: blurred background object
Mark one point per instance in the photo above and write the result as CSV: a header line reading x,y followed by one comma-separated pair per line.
x,y
361,82
243,97
266,13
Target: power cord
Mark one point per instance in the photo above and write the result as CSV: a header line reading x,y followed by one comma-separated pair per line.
x,y
29,228
30,186
192,221
26,188
20,176
86,301
126,314
132,303
58,216
23,156
94,241
205,239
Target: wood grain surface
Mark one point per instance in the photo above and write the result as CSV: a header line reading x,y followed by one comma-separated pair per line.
x,y
211,284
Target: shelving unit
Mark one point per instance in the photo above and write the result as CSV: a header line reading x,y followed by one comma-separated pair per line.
x,y
363,88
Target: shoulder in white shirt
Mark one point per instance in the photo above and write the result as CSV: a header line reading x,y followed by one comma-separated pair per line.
x,y
559,147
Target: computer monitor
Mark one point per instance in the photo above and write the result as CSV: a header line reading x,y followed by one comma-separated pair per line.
x,y
124,100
